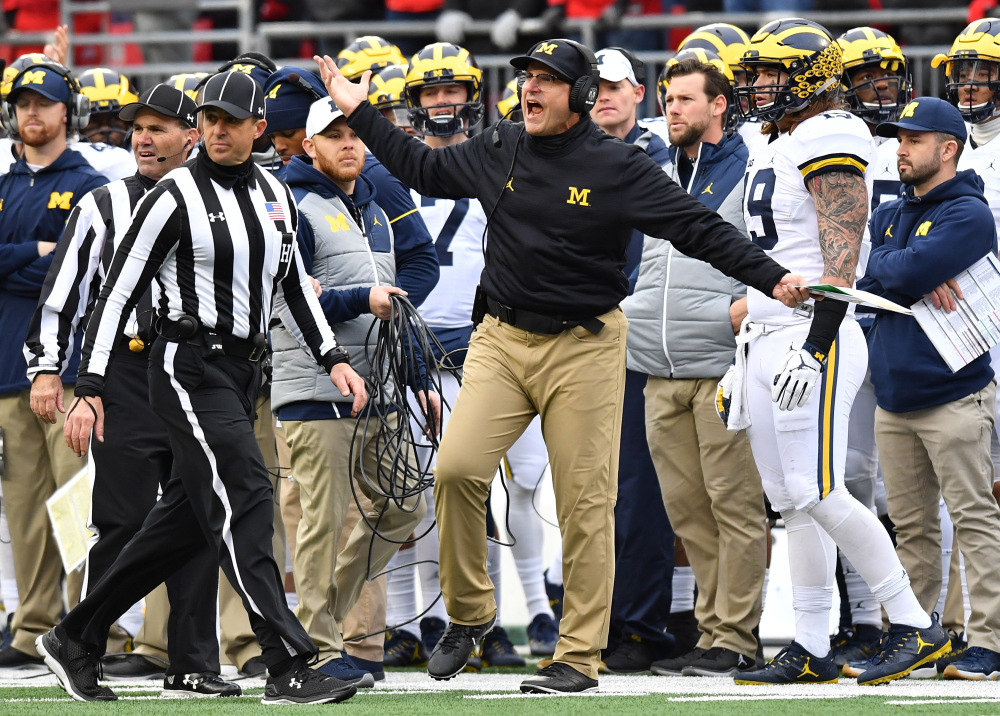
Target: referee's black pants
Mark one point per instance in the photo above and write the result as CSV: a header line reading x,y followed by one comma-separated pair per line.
x,y
218,493
130,466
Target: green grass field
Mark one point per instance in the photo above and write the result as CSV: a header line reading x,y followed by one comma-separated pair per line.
x,y
411,693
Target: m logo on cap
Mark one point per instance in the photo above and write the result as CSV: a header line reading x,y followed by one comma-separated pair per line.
x,y
33,77
245,69
909,109
546,47
273,94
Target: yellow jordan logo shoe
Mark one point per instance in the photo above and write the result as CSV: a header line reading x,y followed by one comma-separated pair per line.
x,y
793,665
904,649
806,671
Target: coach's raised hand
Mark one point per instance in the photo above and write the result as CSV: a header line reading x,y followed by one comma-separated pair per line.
x,y
346,94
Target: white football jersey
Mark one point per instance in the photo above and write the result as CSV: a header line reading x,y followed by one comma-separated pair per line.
x,y
750,131
457,227
779,210
985,159
883,173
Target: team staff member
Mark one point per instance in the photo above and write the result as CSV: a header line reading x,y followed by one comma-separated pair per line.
x,y
710,486
644,545
933,425
134,461
553,340
219,236
36,197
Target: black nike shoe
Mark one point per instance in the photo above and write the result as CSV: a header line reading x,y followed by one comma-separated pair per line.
x,y
719,661
451,655
77,667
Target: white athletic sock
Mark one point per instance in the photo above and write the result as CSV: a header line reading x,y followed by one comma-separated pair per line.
x,y
864,540
763,595
682,586
526,530
401,590
493,570
811,555
292,600
555,575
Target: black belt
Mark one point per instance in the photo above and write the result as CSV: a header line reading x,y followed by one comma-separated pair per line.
x,y
538,322
187,330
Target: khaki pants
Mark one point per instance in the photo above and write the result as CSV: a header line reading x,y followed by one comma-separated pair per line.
x,y
945,451
328,584
713,496
36,462
576,381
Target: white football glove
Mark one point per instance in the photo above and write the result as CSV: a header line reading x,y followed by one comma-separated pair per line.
x,y
724,395
504,30
795,381
451,26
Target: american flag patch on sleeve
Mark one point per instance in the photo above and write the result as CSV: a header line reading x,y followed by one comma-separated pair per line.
x,y
275,212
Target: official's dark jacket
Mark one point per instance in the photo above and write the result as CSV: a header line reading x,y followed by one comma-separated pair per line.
x,y
558,237
918,243
34,207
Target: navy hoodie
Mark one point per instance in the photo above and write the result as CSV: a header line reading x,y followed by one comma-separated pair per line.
x,y
34,207
918,243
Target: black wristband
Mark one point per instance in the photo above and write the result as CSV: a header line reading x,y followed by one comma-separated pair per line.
x,y
332,358
828,314
89,385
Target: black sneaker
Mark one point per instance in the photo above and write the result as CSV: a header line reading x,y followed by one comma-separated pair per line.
x,y
858,644
792,665
975,664
343,670
498,650
11,658
555,594
451,655
375,668
958,648
254,667
904,649
719,661
131,666
543,635
633,655
558,678
431,631
674,666
303,685
404,649
77,668
683,626
202,686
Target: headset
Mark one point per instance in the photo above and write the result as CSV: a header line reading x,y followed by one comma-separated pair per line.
x,y
77,109
583,93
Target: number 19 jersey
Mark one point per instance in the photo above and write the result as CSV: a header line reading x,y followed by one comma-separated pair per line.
x,y
779,210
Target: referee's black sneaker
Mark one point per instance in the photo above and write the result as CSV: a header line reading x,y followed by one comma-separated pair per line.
x,y
558,678
451,655
904,649
302,685
202,686
77,667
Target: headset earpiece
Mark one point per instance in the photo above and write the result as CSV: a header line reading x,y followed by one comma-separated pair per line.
x,y
583,93
77,109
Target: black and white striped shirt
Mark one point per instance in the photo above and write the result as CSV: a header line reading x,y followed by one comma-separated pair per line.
x,y
83,257
221,243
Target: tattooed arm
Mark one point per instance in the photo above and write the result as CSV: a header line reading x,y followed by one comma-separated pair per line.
x,y
841,213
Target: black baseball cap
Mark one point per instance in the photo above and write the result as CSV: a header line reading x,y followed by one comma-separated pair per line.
x,y
234,92
559,54
163,99
927,114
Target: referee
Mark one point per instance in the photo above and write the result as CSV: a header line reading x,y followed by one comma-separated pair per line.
x,y
219,236
134,462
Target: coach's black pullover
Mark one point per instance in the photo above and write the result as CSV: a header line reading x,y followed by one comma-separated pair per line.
x,y
557,239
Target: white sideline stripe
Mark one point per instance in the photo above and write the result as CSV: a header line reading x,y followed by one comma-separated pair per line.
x,y
924,702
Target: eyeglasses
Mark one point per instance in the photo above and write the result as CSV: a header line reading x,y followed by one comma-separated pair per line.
x,y
545,80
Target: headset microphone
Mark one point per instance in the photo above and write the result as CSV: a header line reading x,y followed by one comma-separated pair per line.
x,y
171,156
496,128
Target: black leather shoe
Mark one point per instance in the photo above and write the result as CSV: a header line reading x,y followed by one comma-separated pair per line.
x,y
130,666
451,655
205,685
254,667
558,678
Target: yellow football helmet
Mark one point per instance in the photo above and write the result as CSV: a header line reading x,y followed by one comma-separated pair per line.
x,y
442,63
509,103
973,62
368,53
865,48
107,90
386,92
801,49
188,82
727,41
